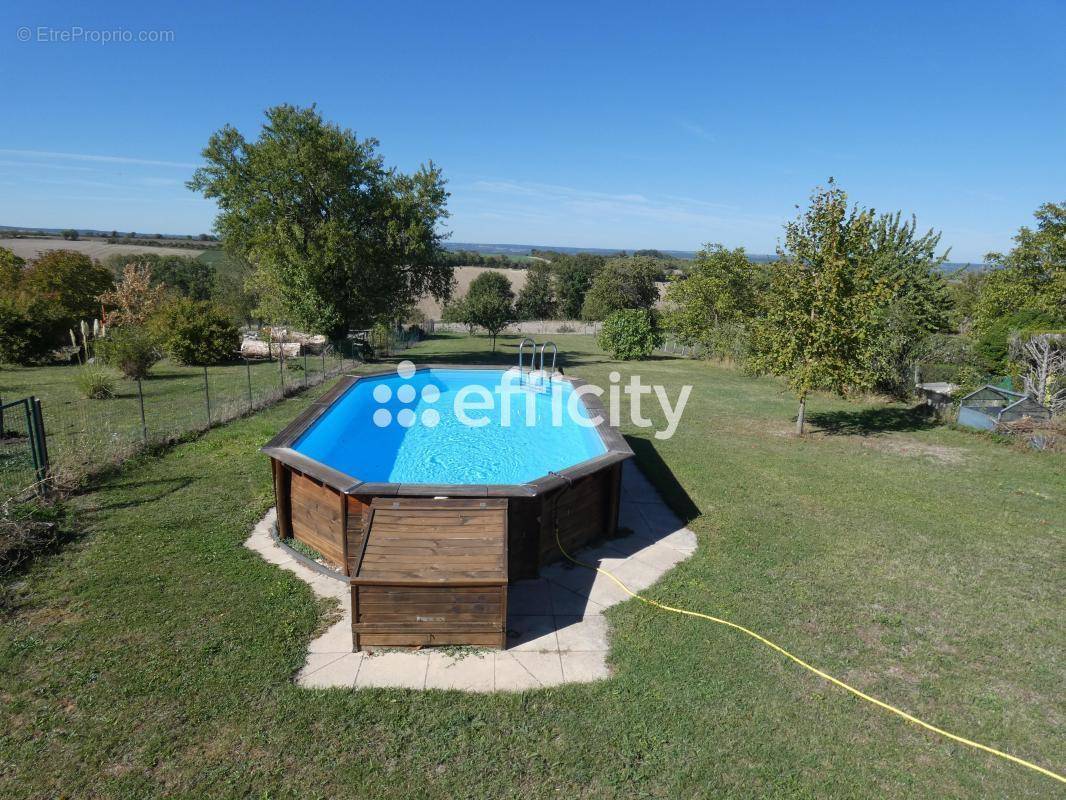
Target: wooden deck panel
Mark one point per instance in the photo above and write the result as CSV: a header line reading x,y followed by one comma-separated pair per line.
x,y
431,572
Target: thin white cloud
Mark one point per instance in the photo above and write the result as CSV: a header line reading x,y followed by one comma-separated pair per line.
x,y
551,190
42,165
96,158
696,130
598,206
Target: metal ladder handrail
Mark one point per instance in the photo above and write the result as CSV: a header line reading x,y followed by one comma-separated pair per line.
x,y
555,357
532,356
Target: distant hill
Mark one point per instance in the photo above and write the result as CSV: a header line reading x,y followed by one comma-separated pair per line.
x,y
488,249
526,249
31,231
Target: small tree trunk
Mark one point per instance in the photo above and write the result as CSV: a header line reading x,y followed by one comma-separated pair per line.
x,y
801,417
494,342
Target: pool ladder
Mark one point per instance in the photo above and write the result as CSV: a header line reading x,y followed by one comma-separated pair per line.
x,y
525,375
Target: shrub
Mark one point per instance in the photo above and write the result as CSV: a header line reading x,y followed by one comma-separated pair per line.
x,y
95,382
72,279
29,329
622,283
130,349
26,530
195,332
993,345
134,298
630,333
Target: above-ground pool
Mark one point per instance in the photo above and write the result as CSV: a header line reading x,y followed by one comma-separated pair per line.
x,y
391,429
527,438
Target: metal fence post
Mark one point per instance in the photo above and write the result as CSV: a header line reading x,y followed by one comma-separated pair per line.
x,y
248,371
144,424
207,397
42,446
31,434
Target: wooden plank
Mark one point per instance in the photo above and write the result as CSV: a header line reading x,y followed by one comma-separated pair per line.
x,y
431,626
282,481
387,591
412,639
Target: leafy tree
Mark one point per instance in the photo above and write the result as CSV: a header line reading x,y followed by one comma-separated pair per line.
x,y
342,240
134,298
132,349
70,235
537,298
821,308
72,279
622,283
184,274
716,299
489,303
918,303
195,332
630,333
29,328
11,272
1031,275
234,289
454,310
573,277
965,287
993,344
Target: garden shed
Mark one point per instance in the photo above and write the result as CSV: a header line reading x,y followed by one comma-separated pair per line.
x,y
991,405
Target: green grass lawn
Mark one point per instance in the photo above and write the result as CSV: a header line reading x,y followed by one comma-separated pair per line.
x,y
85,433
155,655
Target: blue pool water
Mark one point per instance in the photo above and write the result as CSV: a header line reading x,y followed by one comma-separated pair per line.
x,y
425,441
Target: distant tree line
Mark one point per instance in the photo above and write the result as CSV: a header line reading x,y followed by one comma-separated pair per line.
x,y
472,258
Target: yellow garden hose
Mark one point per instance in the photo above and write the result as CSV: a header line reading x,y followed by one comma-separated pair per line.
x,y
824,675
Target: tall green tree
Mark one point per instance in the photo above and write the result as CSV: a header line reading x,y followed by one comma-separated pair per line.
x,y
73,280
489,304
536,300
1031,276
918,303
622,283
721,288
342,240
573,277
821,315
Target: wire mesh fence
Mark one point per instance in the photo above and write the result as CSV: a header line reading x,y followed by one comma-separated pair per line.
x,y
23,459
675,347
84,435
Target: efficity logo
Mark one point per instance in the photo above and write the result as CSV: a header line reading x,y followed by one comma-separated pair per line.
x,y
406,394
476,405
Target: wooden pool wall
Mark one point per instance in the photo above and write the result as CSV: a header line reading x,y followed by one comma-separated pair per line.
x,y
333,522
327,510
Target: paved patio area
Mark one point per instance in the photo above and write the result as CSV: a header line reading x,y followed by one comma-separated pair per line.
x,y
556,629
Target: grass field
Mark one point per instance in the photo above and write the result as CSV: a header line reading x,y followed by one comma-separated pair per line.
x,y
154,655
85,433
31,247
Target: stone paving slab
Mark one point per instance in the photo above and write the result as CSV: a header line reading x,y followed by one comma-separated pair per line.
x,y
556,629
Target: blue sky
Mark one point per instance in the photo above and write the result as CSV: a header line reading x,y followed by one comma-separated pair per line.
x,y
581,124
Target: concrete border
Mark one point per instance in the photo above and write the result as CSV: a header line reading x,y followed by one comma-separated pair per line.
x,y
557,631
